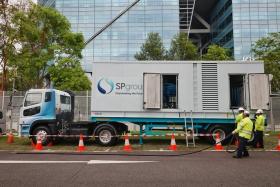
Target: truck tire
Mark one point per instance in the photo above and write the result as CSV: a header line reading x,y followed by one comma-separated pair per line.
x,y
106,135
218,129
41,131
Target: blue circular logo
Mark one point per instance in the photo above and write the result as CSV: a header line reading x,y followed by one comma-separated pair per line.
x,y
105,86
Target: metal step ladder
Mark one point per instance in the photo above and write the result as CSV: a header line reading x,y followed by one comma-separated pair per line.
x,y
192,130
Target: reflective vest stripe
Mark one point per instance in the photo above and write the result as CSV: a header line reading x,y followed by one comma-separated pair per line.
x,y
246,131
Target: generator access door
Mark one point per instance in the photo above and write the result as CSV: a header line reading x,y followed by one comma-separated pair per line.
x,y
152,96
259,91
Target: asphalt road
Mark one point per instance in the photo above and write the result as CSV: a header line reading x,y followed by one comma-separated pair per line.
x,y
201,169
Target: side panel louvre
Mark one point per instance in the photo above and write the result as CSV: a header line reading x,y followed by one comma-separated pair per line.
x,y
209,87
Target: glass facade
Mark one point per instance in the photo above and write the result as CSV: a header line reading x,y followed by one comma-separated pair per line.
x,y
235,24
221,24
253,19
123,39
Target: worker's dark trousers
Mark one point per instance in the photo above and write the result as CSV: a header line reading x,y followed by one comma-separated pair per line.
x,y
258,139
242,150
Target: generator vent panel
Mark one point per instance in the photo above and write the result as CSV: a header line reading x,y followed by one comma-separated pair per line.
x,y
210,98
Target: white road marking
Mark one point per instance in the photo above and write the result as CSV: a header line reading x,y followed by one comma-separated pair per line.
x,y
38,162
71,162
116,162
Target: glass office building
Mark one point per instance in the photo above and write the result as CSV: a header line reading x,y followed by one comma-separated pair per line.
x,y
253,19
234,24
123,39
222,25
237,24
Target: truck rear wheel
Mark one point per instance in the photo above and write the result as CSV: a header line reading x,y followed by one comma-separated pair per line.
x,y
222,131
41,132
106,135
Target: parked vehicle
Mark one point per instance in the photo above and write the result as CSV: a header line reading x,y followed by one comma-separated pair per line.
x,y
2,123
151,94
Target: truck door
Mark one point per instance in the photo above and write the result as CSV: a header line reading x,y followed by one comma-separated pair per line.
x,y
152,94
259,91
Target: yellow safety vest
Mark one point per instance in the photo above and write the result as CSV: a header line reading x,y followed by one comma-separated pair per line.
x,y
245,128
238,118
259,124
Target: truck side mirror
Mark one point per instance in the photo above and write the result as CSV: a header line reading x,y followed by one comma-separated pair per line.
x,y
1,115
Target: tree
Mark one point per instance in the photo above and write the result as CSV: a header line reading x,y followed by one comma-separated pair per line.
x,y
68,74
268,50
182,48
216,52
152,49
46,38
8,37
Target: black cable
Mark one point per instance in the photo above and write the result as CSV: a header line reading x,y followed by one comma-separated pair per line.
x,y
232,138
227,147
123,154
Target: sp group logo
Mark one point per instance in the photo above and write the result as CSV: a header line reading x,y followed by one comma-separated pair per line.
x,y
105,86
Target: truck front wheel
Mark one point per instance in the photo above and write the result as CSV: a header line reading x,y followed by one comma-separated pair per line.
x,y
41,132
106,135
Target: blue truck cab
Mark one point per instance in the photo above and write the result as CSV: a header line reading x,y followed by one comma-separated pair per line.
x,y
44,111
49,114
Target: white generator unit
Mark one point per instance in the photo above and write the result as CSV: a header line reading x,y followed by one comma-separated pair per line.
x,y
163,93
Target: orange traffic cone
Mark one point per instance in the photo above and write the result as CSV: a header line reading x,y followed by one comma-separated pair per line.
x,y
39,146
127,146
81,146
10,138
173,145
218,145
278,146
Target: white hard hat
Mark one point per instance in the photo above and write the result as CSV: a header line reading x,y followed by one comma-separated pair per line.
x,y
240,109
246,112
259,111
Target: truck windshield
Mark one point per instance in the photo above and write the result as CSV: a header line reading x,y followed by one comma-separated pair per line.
x,y
32,99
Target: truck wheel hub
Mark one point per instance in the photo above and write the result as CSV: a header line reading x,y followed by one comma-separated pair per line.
x,y
221,132
41,134
105,136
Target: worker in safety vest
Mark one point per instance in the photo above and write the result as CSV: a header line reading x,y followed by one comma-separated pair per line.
x,y
259,129
238,119
244,129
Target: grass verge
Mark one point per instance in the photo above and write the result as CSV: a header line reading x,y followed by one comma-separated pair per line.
x,y
150,143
